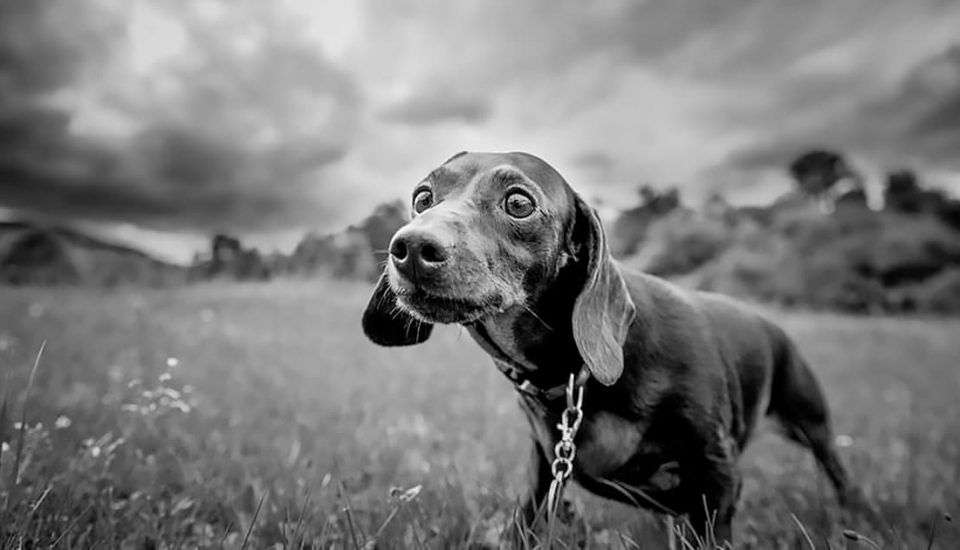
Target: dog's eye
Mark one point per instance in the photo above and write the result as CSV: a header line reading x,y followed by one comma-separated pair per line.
x,y
422,200
519,205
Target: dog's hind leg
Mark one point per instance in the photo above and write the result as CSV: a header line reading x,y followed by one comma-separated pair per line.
x,y
798,405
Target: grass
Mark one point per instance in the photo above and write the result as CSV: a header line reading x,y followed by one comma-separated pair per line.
x,y
254,416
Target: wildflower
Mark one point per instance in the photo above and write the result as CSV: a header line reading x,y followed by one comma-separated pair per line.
x,y
5,447
95,451
405,495
843,441
172,362
62,422
165,377
171,393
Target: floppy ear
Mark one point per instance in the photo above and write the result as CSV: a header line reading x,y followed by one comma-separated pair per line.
x,y
604,310
386,324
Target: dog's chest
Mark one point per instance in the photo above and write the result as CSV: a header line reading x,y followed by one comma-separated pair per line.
x,y
609,447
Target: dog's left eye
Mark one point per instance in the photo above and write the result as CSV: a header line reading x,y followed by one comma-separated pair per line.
x,y
422,201
519,205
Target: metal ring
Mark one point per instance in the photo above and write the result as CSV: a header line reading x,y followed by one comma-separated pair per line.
x,y
565,464
564,450
565,418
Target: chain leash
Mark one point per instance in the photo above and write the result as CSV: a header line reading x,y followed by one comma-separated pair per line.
x,y
565,449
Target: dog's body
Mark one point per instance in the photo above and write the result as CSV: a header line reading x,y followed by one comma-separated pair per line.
x,y
678,380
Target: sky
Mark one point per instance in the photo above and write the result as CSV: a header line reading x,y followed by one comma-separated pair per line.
x,y
160,122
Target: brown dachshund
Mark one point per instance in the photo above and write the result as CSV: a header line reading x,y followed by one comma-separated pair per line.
x,y
678,380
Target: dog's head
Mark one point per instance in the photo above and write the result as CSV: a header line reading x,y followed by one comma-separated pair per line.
x,y
491,232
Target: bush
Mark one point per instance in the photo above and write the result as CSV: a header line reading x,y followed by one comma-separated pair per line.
x,y
939,294
681,242
854,260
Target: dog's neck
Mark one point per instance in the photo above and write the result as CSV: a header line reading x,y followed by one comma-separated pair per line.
x,y
536,339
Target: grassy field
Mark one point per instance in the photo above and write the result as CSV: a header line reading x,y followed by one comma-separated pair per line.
x,y
216,416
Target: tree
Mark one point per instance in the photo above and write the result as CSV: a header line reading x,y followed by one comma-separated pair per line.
x,y
902,192
818,171
230,259
630,228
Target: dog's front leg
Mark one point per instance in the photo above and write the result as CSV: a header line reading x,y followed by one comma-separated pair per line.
x,y
533,504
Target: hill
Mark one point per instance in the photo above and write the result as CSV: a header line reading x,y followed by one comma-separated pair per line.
x,y
35,254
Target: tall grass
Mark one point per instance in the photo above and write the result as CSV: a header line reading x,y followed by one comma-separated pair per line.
x,y
258,416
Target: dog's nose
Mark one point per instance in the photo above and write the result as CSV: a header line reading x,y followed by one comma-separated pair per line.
x,y
416,253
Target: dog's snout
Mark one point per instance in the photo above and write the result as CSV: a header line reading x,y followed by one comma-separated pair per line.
x,y
417,253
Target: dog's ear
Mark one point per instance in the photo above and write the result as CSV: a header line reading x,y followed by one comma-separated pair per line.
x,y
603,310
387,325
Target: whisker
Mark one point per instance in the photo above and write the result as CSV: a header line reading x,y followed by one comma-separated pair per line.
x,y
537,317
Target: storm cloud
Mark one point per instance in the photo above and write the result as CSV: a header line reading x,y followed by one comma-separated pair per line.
x,y
225,134
267,118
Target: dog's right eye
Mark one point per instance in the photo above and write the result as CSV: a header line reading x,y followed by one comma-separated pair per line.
x,y
422,200
519,205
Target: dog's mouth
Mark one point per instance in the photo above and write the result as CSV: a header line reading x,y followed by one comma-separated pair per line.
x,y
436,308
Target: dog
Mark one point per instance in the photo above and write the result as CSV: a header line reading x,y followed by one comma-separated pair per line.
x,y
676,380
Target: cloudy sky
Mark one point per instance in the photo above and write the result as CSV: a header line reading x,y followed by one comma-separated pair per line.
x,y
161,121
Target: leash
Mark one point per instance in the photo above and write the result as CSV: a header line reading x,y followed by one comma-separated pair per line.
x,y
565,449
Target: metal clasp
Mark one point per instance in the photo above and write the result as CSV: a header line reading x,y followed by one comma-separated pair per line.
x,y
565,450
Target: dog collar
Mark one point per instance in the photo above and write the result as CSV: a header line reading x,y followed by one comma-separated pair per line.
x,y
516,375
524,385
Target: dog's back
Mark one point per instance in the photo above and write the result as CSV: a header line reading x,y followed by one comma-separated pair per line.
x,y
765,374
759,363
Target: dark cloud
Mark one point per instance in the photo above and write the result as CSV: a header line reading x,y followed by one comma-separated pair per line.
x,y
917,123
254,126
928,108
436,106
88,182
46,45
235,140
